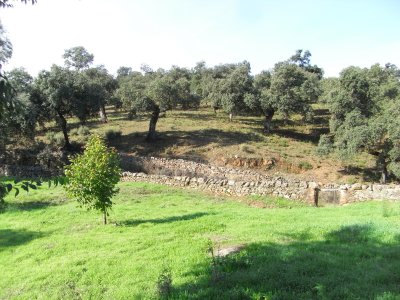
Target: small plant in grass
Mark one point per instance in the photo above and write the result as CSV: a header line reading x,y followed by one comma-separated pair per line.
x,y
305,165
56,139
80,131
83,131
93,175
164,283
73,131
216,272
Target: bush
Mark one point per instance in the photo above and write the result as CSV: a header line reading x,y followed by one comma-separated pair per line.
x,y
92,176
83,131
73,131
305,165
51,158
80,131
56,139
112,134
325,145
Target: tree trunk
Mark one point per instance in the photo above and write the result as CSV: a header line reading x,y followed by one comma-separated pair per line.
x,y
384,174
230,117
105,217
269,114
151,135
102,113
63,124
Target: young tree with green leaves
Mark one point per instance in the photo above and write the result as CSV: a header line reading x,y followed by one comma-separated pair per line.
x,y
93,175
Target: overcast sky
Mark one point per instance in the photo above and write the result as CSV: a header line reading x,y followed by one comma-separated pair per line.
x,y
162,33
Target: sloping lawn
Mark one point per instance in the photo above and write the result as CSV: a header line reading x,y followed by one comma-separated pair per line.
x,y
52,249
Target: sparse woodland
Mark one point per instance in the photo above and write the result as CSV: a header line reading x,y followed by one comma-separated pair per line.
x,y
350,118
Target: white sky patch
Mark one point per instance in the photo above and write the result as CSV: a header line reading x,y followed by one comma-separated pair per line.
x,y
162,33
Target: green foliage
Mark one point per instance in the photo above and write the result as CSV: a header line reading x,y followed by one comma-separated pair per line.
x,y
290,88
55,138
7,186
305,165
155,92
229,87
112,134
81,131
363,107
325,145
92,176
78,58
6,48
51,158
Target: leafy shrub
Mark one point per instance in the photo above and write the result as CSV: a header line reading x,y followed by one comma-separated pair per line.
x,y
51,158
83,131
112,134
325,145
80,131
73,131
56,139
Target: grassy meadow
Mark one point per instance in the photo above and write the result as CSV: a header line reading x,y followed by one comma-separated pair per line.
x,y
159,239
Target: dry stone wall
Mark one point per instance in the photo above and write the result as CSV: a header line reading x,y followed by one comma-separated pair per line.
x,y
230,181
27,171
178,172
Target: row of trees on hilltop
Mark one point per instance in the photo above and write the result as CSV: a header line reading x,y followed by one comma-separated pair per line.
x,y
289,88
75,89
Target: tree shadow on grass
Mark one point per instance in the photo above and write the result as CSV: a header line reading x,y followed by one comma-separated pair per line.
x,y
30,205
164,220
193,138
12,237
350,263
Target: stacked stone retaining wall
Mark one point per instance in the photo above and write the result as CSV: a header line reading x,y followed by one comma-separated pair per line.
x,y
230,181
179,172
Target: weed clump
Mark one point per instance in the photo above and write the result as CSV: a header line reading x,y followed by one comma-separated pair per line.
x,y
164,283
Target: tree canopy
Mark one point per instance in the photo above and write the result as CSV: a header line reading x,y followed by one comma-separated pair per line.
x,y
289,88
363,107
92,176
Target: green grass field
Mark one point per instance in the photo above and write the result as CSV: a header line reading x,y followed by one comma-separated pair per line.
x,y
52,249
